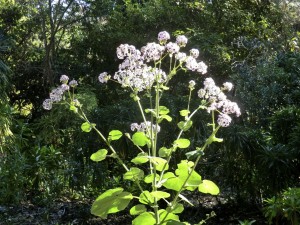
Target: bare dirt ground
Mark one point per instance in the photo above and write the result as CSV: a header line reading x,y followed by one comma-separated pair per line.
x,y
78,213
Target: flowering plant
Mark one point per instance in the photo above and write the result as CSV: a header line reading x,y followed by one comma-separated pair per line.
x,y
141,72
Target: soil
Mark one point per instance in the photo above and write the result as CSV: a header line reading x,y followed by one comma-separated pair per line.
x,y
78,213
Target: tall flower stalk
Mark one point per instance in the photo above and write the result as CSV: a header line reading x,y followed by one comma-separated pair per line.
x,y
141,71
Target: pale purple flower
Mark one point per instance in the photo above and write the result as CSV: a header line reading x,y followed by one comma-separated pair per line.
x,y
64,79
218,101
64,87
231,108
172,48
152,52
135,126
194,53
227,86
224,120
73,83
208,82
47,104
145,127
201,93
76,102
181,40
192,84
181,56
103,77
56,94
191,63
125,50
202,68
163,36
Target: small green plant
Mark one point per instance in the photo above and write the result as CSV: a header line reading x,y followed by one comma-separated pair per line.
x,y
150,170
247,222
286,205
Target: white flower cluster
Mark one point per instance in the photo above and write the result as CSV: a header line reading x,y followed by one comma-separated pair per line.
x,y
144,127
56,94
218,101
135,73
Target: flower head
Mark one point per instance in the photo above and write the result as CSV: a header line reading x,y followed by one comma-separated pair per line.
x,y
103,77
194,53
192,84
73,83
47,104
224,120
181,40
227,86
163,37
172,48
64,87
64,79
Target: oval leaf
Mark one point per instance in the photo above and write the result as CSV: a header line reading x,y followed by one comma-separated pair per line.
x,y
164,152
111,201
178,208
163,110
208,187
184,112
160,163
160,194
114,135
182,143
99,155
86,127
141,158
146,198
140,139
137,209
145,218
134,174
185,125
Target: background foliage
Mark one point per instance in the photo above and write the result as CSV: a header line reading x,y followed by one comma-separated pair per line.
x,y
254,44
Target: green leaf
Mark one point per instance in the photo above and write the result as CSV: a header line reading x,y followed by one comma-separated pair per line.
x,y
134,174
140,139
152,111
73,108
141,158
86,127
99,155
185,125
166,117
208,187
145,218
174,222
194,153
137,209
160,163
111,201
172,182
160,194
182,143
114,135
164,152
178,208
169,217
184,112
183,171
163,110
146,198
150,178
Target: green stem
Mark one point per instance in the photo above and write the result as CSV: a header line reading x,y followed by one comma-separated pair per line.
x,y
179,135
193,169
